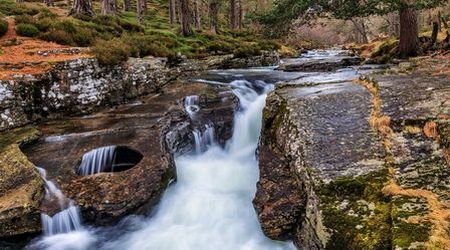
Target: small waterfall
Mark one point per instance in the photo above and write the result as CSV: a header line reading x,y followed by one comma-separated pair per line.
x,y
68,220
65,221
191,104
204,139
97,160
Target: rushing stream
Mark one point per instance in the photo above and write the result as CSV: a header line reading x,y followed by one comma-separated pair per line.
x,y
210,205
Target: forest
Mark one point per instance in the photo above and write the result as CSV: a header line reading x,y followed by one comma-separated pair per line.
x,y
224,124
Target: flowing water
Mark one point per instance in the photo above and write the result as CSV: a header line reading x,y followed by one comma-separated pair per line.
x,y
210,205
97,160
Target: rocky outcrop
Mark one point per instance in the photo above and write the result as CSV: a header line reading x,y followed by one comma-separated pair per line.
x,y
357,165
21,187
315,65
78,86
156,126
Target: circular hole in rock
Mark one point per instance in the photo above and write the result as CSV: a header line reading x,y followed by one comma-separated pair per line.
x,y
108,159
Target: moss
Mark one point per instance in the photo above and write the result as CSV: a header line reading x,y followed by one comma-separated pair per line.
x,y
386,51
404,234
357,212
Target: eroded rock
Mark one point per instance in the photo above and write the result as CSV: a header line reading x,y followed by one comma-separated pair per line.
x,y
321,64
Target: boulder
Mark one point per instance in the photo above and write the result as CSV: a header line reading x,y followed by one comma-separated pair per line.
x,y
21,187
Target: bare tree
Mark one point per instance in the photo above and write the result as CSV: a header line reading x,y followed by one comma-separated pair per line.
x,y
361,29
82,7
213,11
185,18
109,7
172,11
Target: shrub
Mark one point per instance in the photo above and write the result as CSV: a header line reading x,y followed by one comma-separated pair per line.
x,y
66,25
25,29
57,36
269,45
24,19
3,27
141,46
132,27
44,24
111,52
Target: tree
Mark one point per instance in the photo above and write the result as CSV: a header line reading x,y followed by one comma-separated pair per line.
x,y
234,17
197,15
172,11
185,18
49,3
213,11
287,10
140,9
109,7
82,7
127,5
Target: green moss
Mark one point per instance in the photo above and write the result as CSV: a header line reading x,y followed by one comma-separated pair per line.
x,y
3,27
357,213
387,51
404,234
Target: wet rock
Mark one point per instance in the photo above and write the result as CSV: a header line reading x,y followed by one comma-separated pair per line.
x,y
21,187
156,126
321,64
319,138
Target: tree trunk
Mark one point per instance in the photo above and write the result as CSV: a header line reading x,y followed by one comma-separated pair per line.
x,y
172,11
127,5
197,15
241,15
233,15
82,7
435,33
409,32
109,7
140,9
185,18
19,1
213,10
49,3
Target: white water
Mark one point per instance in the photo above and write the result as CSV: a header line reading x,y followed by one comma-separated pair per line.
x,y
191,104
204,139
97,160
210,205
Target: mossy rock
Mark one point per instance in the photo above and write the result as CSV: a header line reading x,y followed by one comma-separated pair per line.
x,y
21,186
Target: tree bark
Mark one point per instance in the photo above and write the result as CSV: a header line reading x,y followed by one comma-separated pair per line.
x,y
435,33
127,5
185,16
233,15
172,11
140,9
197,15
19,1
409,33
241,15
82,7
213,11
109,7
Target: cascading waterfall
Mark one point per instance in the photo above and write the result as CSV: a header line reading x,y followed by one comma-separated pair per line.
x,y
191,105
204,139
210,205
97,160
68,219
63,230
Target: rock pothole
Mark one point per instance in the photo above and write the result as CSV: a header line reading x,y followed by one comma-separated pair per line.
x,y
108,159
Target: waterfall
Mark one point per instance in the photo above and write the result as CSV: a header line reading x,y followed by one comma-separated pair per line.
x,y
204,139
191,105
68,219
97,160
210,204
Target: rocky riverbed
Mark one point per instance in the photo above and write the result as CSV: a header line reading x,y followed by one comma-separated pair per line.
x,y
350,156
